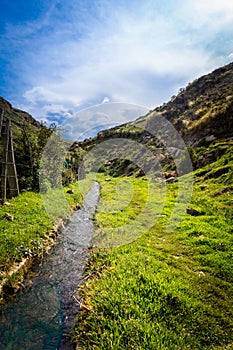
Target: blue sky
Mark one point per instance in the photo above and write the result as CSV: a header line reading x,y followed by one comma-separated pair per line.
x,y
58,57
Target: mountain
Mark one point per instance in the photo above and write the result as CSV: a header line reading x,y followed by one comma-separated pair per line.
x,y
202,114
204,109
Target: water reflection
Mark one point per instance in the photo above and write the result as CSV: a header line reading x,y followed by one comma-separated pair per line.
x,y
33,320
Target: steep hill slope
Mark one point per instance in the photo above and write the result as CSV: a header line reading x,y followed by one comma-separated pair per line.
x,y
17,115
202,113
205,108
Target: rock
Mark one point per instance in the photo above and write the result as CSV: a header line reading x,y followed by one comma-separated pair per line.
x,y
108,179
224,190
210,138
160,157
171,180
78,206
201,273
175,152
169,174
53,234
70,191
193,212
7,204
9,217
107,163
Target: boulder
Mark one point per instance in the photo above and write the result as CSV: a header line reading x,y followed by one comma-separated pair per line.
x,y
193,212
107,163
169,174
171,180
9,217
224,190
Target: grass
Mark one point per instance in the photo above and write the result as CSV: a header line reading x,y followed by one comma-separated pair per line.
x,y
32,231
163,290
126,209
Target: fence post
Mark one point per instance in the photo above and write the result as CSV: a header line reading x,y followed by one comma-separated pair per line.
x,y
1,119
11,170
8,162
5,143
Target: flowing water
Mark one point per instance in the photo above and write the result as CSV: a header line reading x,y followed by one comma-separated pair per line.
x,y
41,316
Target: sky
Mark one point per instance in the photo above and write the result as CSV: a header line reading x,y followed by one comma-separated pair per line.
x,y
60,57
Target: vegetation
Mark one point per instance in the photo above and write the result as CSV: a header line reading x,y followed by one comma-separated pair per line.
x,y
145,287
202,113
29,140
164,290
204,107
26,230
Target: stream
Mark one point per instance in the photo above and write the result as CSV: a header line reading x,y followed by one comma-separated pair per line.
x,y
41,316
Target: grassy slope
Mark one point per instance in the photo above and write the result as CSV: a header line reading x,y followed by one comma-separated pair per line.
x,y
163,291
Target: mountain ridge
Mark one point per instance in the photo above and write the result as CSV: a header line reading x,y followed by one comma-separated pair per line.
x,y
202,113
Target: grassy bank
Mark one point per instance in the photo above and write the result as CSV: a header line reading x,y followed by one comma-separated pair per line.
x,y
164,290
26,230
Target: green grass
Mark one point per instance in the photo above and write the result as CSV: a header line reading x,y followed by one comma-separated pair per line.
x,y
163,290
31,231
126,209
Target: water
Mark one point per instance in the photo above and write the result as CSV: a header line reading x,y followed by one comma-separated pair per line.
x,y
41,316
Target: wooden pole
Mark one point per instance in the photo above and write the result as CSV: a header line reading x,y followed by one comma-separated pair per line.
x,y
1,119
11,169
8,162
5,144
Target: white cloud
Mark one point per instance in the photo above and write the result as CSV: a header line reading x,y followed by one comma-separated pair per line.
x,y
127,64
54,109
211,14
40,94
106,99
100,117
140,55
206,7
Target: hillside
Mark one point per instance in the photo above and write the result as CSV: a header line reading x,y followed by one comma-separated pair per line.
x,y
204,110
202,113
164,289
17,115
29,139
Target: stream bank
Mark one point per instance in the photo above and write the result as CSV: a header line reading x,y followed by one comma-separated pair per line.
x,y
42,315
